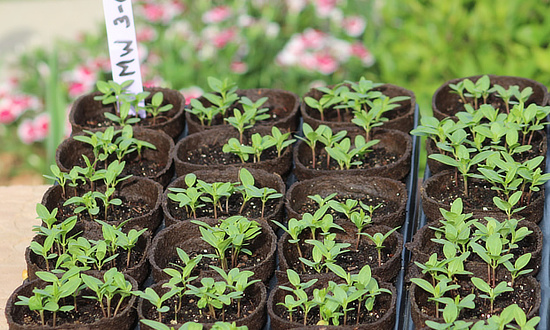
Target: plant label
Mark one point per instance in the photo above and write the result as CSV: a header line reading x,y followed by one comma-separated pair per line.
x,y
121,36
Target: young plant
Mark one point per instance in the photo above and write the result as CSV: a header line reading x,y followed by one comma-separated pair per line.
x,y
517,269
311,137
237,280
295,228
378,239
492,254
157,301
280,140
235,147
300,294
224,94
437,291
214,193
346,156
204,114
260,144
155,108
324,253
492,292
113,284
266,194
212,295
188,197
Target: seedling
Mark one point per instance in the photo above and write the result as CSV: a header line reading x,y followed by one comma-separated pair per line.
x,y
378,239
300,294
235,147
295,228
280,140
345,155
155,108
260,144
156,300
212,294
224,94
238,281
324,253
204,114
215,192
517,269
113,284
492,292
311,137
438,291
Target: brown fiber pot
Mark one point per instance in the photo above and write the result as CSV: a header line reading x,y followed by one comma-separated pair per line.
x,y
135,189
419,297
186,235
139,271
422,247
283,110
125,319
400,118
69,154
254,320
383,301
288,255
261,178
216,138
437,186
86,109
392,140
393,193
445,103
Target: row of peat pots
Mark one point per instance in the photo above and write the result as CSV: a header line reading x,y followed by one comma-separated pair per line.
x,y
149,226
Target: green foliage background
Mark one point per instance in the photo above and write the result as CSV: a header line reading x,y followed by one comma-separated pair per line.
x,y
417,44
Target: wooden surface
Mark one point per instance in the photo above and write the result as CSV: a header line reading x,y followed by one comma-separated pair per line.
x,y
17,216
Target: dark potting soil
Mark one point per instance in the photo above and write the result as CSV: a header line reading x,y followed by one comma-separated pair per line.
x,y
88,311
214,155
522,295
353,260
252,209
127,210
100,121
376,158
380,308
243,261
189,311
275,113
134,165
480,195
386,206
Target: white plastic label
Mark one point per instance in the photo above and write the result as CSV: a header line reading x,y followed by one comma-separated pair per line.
x,y
121,35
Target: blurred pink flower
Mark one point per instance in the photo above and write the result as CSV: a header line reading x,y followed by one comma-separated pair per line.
x,y
162,12
26,131
33,130
360,51
223,37
325,63
216,15
354,25
41,126
190,93
146,33
325,8
13,106
312,38
239,67
81,80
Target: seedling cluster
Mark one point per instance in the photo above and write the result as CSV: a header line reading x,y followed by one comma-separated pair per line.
x,y
461,238
200,195
489,144
128,106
